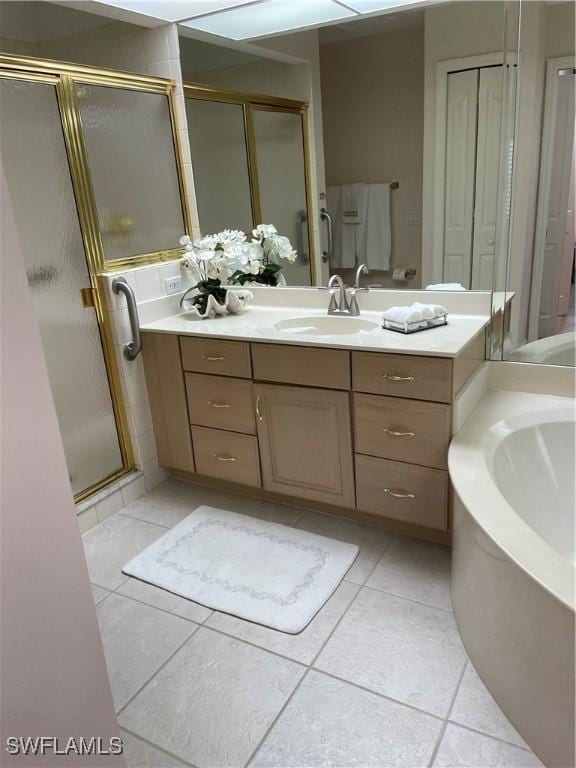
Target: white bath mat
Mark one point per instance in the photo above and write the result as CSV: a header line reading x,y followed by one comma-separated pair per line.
x,y
264,572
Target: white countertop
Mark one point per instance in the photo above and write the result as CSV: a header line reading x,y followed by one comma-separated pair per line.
x,y
256,323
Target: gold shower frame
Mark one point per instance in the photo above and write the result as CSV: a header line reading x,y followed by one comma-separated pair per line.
x,y
64,76
250,103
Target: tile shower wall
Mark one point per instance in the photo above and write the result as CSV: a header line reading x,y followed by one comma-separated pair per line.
x,y
148,284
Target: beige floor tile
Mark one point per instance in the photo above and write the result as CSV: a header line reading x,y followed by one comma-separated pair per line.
x,y
416,569
137,640
139,754
331,723
110,545
475,707
160,598
410,652
461,748
213,702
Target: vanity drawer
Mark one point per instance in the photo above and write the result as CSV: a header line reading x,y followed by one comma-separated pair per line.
x,y
308,366
226,455
404,492
403,430
423,378
225,358
220,402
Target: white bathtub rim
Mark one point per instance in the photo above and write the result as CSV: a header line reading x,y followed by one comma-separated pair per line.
x,y
473,482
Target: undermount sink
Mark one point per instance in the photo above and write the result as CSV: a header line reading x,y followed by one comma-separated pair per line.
x,y
327,325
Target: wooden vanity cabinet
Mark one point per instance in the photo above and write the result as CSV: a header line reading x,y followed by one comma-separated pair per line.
x,y
305,442
365,431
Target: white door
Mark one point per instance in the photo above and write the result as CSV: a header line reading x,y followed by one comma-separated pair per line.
x,y
487,168
461,127
569,241
559,187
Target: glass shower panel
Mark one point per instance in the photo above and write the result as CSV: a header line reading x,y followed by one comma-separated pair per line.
x,y
36,167
132,161
220,160
279,138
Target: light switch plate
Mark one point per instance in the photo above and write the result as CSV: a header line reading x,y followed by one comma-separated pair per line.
x,y
172,285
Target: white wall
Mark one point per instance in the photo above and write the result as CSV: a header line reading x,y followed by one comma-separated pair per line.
x,y
373,115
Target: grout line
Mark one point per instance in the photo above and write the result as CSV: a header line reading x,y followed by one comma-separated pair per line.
x,y
410,599
162,610
160,668
335,627
489,735
156,747
275,720
447,717
253,645
377,693
121,513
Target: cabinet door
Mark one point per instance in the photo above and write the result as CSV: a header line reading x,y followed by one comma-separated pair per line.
x,y
305,442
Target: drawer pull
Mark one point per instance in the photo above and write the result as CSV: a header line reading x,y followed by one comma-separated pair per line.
x,y
222,457
216,404
213,358
394,433
390,377
399,494
258,413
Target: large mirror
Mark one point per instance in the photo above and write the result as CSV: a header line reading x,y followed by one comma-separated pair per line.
x,y
541,327
410,119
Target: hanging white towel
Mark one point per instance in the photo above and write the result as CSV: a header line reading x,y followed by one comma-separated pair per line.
x,y
375,246
354,212
348,206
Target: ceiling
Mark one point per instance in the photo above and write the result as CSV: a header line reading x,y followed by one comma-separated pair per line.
x,y
248,19
372,25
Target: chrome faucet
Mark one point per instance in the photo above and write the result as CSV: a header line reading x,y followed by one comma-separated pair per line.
x,y
342,306
354,308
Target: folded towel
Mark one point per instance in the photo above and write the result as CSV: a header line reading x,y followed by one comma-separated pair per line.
x,y
445,287
415,313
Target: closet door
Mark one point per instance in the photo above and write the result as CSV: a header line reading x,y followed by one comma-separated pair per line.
x,y
487,165
461,127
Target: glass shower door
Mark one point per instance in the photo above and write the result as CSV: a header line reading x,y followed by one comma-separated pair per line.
x,y
35,163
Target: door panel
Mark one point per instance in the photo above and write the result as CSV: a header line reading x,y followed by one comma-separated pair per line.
x,y
559,188
305,443
461,121
280,160
36,167
487,167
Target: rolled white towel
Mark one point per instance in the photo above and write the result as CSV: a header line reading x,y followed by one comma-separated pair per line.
x,y
415,313
445,287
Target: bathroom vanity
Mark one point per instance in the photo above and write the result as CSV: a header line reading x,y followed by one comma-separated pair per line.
x,y
357,424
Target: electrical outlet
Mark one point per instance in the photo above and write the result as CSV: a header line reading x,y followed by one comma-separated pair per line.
x,y
172,285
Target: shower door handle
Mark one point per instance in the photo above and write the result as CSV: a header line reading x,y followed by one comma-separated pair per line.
x,y
327,254
133,348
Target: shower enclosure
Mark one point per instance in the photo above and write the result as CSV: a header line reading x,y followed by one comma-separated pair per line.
x,y
76,147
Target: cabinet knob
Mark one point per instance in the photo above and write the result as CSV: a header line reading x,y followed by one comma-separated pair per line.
x,y
398,494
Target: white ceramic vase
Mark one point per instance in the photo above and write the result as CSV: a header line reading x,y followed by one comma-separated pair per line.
x,y
234,304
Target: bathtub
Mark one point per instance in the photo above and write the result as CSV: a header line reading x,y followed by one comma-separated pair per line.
x,y
513,573
552,350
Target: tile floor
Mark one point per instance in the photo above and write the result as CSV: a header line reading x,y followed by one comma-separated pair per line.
x,y
378,678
